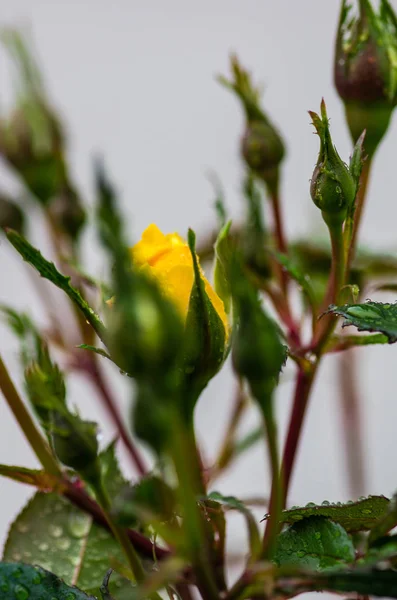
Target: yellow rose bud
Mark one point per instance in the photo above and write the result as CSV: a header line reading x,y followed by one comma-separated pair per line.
x,y
168,259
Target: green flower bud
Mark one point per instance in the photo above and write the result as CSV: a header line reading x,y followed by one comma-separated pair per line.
x,y
333,187
145,330
365,69
263,150
258,353
67,213
11,215
262,147
32,139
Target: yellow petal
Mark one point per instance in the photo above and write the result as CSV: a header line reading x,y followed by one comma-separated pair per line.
x,y
167,258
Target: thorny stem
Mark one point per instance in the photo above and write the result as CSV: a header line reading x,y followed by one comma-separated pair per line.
x,y
93,371
26,423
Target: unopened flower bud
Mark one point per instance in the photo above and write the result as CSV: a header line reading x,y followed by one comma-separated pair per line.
x,y
333,187
11,215
365,69
258,353
262,147
263,151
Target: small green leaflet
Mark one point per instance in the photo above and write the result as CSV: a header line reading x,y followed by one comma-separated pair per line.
x,y
19,581
370,316
49,271
232,503
39,478
52,533
385,523
315,543
352,516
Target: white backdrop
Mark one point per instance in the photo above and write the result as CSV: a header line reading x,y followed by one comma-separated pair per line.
x,y
136,81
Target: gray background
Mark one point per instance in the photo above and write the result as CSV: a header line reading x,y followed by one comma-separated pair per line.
x,y
135,80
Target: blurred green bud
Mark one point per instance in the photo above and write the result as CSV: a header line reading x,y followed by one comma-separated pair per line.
x,y
263,151
151,498
258,352
333,187
262,147
11,215
144,330
75,443
365,69
32,139
67,212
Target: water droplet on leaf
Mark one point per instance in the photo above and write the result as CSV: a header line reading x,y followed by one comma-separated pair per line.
x,y
21,593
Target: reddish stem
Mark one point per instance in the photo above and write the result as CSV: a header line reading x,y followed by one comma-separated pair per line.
x,y
280,237
303,387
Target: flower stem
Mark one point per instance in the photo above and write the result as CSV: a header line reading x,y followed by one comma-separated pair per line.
x,y
279,234
360,203
303,387
273,524
26,423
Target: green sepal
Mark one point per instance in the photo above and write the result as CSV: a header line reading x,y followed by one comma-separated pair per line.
x,y
222,267
204,346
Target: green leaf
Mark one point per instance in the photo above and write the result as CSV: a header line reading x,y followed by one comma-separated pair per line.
x,y
371,316
232,503
297,275
350,341
384,549
49,271
40,479
386,522
222,259
352,516
52,533
24,582
99,351
24,329
314,543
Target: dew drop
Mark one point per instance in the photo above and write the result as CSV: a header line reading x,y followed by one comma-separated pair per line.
x,y
22,527
310,504
70,596
317,535
20,592
366,511
300,554
43,547
36,579
4,587
325,503
55,531
63,544
79,525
